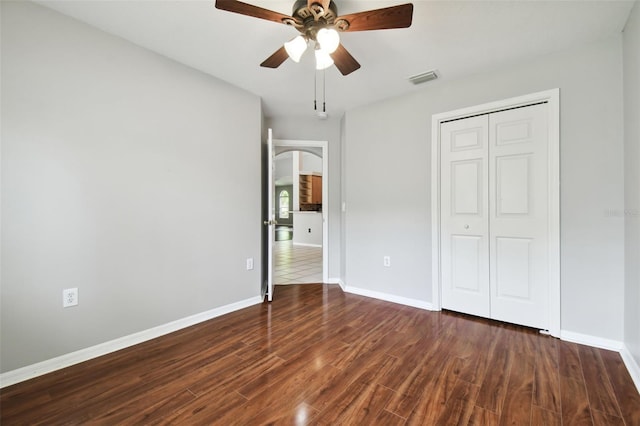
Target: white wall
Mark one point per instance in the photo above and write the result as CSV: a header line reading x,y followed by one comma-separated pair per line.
x,y
632,181
310,163
302,128
343,204
387,187
387,204
307,228
118,166
283,168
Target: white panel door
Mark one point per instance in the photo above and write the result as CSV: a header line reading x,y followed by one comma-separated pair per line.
x,y
270,221
464,216
519,218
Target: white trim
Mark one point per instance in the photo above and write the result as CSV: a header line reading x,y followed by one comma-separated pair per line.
x,y
586,339
552,97
334,280
307,245
435,214
325,192
553,124
30,371
271,214
414,303
612,345
632,366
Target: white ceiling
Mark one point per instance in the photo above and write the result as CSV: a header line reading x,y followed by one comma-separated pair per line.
x,y
457,38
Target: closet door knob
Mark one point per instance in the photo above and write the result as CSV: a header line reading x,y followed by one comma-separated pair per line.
x,y
466,227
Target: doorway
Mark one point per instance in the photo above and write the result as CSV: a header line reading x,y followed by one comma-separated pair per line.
x,y
301,202
495,210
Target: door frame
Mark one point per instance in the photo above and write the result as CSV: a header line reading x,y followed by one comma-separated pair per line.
x,y
552,98
301,145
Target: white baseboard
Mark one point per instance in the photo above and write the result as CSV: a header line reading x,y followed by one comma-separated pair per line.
x,y
25,373
337,281
632,365
388,297
585,339
570,336
30,371
613,345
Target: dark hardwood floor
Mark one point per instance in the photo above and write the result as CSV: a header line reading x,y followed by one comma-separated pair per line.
x,y
319,356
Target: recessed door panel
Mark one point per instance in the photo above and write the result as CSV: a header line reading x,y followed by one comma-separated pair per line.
x,y
516,131
466,255
466,187
512,180
471,138
513,268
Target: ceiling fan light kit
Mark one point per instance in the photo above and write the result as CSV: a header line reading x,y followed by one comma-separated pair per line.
x,y
323,59
296,47
329,39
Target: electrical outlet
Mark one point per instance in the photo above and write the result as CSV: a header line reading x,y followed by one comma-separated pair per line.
x,y
249,263
69,297
386,261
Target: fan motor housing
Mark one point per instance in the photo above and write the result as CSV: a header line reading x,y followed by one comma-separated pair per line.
x,y
316,12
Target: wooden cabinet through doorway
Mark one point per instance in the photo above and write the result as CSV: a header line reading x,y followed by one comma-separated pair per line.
x,y
310,191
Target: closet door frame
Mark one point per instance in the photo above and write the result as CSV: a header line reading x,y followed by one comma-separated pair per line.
x,y
552,98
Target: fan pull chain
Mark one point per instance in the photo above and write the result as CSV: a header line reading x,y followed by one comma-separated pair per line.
x,y
315,90
322,114
324,91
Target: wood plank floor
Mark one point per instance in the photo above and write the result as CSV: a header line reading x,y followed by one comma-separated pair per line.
x,y
319,356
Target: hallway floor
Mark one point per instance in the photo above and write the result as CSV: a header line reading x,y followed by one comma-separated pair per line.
x,y
295,264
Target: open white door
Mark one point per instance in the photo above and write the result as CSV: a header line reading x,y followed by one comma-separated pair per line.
x,y
270,221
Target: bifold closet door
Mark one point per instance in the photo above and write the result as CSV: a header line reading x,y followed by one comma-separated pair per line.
x,y
464,216
494,216
519,216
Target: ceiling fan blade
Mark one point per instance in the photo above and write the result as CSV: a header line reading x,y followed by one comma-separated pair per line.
x,y
344,61
254,11
275,60
379,19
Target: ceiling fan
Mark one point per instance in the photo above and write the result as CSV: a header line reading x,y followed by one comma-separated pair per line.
x,y
318,22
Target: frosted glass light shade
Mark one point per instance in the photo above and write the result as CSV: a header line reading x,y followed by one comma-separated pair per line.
x,y
323,60
295,48
329,39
